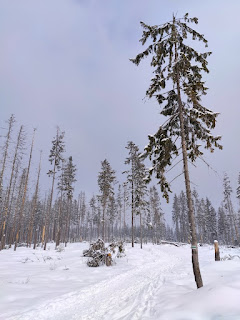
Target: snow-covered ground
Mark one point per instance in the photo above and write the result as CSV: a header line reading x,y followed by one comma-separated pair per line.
x,y
153,283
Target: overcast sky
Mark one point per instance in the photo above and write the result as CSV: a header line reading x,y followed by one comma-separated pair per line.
x,y
67,63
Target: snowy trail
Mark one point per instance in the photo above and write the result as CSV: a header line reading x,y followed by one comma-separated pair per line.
x,y
155,283
125,296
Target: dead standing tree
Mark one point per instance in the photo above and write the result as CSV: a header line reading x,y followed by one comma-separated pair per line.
x,y
24,195
5,151
55,158
18,149
34,206
178,67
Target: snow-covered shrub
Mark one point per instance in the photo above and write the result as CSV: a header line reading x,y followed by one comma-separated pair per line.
x,y
95,246
117,248
230,257
99,255
98,258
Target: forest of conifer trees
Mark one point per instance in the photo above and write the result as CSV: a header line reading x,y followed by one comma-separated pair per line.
x,y
130,211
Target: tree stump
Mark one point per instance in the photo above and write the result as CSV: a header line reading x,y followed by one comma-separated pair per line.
x,y
217,254
108,260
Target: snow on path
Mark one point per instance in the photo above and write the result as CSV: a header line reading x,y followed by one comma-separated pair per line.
x,y
125,296
155,283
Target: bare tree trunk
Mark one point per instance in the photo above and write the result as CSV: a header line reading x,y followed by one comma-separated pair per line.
x,y
43,234
195,262
6,209
12,234
217,254
32,216
10,125
48,213
24,194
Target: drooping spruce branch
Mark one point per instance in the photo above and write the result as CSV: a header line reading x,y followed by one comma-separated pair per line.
x,y
177,64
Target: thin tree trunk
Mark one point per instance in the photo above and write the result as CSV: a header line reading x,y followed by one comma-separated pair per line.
x,y
46,227
6,210
31,221
12,235
194,245
195,262
10,121
24,194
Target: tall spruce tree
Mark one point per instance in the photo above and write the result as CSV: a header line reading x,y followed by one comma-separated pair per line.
x,y
178,69
55,158
133,152
136,182
69,174
106,180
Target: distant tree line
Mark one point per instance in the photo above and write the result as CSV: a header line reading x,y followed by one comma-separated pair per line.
x,y
129,211
222,224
